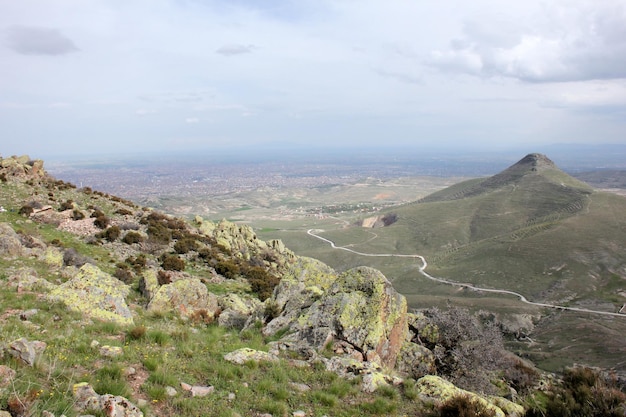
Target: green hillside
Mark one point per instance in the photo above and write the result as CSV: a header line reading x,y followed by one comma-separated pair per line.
x,y
532,229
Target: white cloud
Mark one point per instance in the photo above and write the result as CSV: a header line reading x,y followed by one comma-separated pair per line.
x,y
192,120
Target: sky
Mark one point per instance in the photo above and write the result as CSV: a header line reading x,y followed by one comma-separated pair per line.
x,y
119,76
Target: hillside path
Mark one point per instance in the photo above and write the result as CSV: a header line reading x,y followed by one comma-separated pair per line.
x,y
422,270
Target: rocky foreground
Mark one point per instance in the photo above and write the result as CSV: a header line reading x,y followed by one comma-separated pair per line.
x,y
105,260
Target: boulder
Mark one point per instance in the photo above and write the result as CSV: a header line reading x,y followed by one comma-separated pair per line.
x,y
373,376
236,310
26,280
360,308
438,390
415,360
243,355
6,376
304,282
185,297
86,399
149,283
96,294
10,244
25,350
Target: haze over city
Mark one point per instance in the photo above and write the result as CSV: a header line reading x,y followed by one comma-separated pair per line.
x,y
117,77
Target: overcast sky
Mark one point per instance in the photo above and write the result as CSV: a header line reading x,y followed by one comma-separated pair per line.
x,y
83,76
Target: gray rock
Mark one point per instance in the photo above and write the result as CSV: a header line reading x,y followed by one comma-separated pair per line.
x,y
6,376
25,350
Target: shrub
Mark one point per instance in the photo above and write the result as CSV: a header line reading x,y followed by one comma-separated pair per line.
x,y
465,406
262,283
227,268
132,237
66,205
26,210
123,212
137,332
110,234
124,274
467,351
138,263
173,263
164,277
159,233
185,245
77,215
584,392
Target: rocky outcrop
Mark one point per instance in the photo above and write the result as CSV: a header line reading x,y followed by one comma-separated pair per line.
x,y
96,294
236,310
437,390
242,242
360,308
305,282
184,297
21,167
243,355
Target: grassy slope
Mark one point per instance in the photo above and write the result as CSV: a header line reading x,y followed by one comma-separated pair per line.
x,y
542,233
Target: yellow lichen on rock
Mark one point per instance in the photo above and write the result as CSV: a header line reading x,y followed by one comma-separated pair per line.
x,y
96,294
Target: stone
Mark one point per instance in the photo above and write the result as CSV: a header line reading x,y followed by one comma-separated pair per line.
x,y
415,360
86,399
200,391
439,390
149,283
111,351
171,391
95,294
28,314
362,308
6,376
25,350
243,355
10,244
185,297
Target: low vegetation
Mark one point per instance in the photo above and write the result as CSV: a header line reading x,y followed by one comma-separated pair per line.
x,y
152,360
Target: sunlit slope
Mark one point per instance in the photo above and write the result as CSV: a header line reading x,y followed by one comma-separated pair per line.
x,y
531,228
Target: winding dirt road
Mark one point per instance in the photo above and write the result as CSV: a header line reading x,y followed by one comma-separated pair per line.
x,y
422,270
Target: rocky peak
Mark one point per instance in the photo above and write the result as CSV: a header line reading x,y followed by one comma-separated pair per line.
x,y
21,168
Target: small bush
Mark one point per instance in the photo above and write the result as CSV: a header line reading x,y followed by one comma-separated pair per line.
x,y
111,234
77,215
138,263
228,269
173,263
185,245
123,212
124,274
464,406
26,210
164,277
159,233
102,221
66,205
262,283
137,333
132,237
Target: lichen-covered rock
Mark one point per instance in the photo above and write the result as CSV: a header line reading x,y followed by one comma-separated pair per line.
x,y
26,279
373,376
439,390
10,244
53,257
96,294
185,297
236,310
361,308
25,350
149,283
509,408
21,167
415,360
87,399
304,282
243,355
